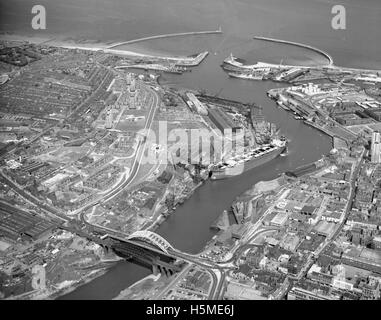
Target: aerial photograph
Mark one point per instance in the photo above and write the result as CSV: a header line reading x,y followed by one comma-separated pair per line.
x,y
190,150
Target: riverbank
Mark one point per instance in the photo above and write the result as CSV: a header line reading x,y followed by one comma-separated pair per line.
x,y
162,217
66,289
138,291
93,275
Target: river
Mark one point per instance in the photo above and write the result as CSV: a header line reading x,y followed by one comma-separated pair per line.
x,y
297,20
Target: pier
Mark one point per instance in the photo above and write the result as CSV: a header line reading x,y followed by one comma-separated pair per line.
x,y
165,36
306,46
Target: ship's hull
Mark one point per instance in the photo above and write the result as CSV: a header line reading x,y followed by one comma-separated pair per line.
x,y
248,165
240,76
233,63
280,104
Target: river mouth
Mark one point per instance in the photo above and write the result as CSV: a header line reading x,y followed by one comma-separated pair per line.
x,y
250,50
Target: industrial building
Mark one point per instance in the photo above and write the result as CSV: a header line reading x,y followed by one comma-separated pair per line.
x,y
301,294
325,228
222,120
199,107
363,258
15,224
375,113
352,118
279,220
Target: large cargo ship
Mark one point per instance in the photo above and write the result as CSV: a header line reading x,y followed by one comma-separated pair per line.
x,y
249,160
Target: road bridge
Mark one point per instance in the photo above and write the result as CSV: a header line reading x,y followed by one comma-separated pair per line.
x,y
152,238
147,249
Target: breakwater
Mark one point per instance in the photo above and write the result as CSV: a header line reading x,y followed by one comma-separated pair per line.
x,y
160,36
301,45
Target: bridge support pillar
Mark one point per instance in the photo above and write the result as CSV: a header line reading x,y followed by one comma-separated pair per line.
x,y
164,271
155,270
106,250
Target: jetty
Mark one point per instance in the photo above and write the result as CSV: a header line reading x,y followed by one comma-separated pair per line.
x,y
164,36
301,45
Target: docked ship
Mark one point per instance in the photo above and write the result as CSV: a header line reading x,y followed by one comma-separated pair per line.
x,y
282,105
249,160
246,75
235,64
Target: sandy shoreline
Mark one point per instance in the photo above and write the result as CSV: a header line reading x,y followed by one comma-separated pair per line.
x,y
50,40
68,44
89,45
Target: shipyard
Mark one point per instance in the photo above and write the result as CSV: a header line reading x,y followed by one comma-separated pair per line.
x,y
255,140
